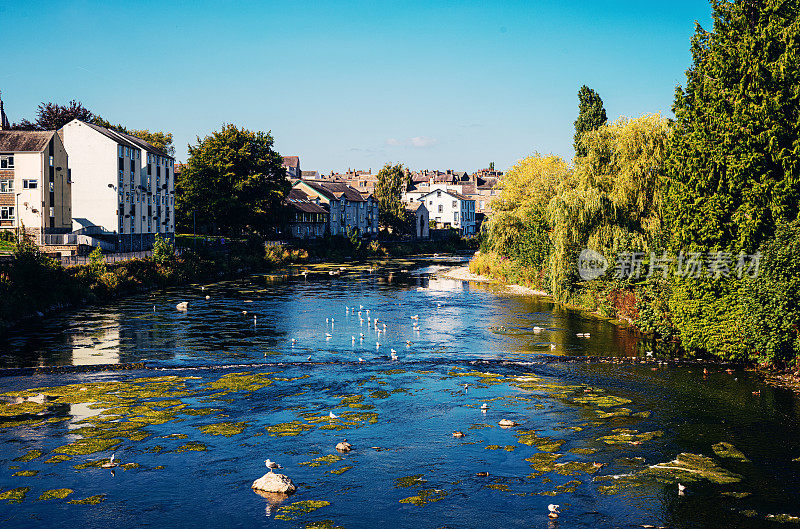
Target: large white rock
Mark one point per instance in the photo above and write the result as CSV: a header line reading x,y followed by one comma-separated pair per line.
x,y
271,482
507,423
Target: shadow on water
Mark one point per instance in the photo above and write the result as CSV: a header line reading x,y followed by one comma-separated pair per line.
x,y
254,370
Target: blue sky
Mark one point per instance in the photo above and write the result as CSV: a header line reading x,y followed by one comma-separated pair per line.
x,y
352,84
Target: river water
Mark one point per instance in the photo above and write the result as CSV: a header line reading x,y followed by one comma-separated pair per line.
x,y
254,372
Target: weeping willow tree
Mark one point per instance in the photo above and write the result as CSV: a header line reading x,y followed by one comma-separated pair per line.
x,y
615,203
519,226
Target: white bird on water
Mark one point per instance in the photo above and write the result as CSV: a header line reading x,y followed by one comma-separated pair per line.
x,y
110,464
182,306
552,347
485,406
394,355
681,489
332,415
360,359
553,511
271,465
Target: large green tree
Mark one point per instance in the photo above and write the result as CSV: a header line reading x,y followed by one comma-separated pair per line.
x,y
591,116
393,181
735,165
233,183
52,116
734,171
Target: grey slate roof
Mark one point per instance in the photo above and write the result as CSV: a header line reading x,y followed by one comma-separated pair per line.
x,y
24,141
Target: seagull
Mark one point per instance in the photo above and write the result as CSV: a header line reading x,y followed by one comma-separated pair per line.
x,y
360,307
415,317
649,353
332,415
244,312
552,347
327,320
377,345
361,335
110,464
485,406
271,465
293,341
553,511
309,358
681,489
394,355
208,297
328,335
354,339
182,306
465,387
360,359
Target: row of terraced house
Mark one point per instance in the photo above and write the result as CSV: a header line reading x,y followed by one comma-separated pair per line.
x,y
84,186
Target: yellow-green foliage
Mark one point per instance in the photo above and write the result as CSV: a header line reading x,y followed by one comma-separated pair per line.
x,y
14,495
299,508
224,428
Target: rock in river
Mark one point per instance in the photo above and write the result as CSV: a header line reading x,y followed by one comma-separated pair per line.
x,y
507,423
271,482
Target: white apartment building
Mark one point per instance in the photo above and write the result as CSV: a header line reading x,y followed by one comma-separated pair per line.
x,y
451,210
34,183
123,187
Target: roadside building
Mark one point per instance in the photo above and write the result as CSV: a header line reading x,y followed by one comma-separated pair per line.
x,y
292,166
451,210
308,219
35,190
123,191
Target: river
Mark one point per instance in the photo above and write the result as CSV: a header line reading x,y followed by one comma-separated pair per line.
x,y
255,367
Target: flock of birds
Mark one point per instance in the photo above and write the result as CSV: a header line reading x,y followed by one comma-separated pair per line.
x,y
380,327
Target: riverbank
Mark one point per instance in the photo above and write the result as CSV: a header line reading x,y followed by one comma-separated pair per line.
x,y
463,273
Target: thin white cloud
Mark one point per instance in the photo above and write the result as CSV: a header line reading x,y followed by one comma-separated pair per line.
x,y
417,142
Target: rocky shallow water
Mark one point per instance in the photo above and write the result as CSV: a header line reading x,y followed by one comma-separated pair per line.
x,y
222,391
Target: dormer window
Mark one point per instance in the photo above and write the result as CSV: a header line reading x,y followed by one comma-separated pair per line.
x,y
438,194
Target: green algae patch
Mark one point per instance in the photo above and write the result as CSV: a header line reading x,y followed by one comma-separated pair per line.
x,y
565,488
234,382
55,494
130,466
693,467
499,486
545,444
583,451
507,448
727,450
602,401
227,429
425,496
783,518
409,481
287,429
30,456
737,495
26,473
573,468
324,460
347,400
16,495
479,426
627,436
59,459
543,462
299,508
91,500
191,446
338,471
379,394
392,371
87,446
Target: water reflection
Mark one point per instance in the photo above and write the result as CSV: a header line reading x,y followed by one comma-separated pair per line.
x,y
257,318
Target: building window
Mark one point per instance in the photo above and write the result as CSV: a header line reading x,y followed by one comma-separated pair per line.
x,y
7,162
52,211
6,212
29,184
6,186
438,194
52,187
455,216
441,208
51,161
